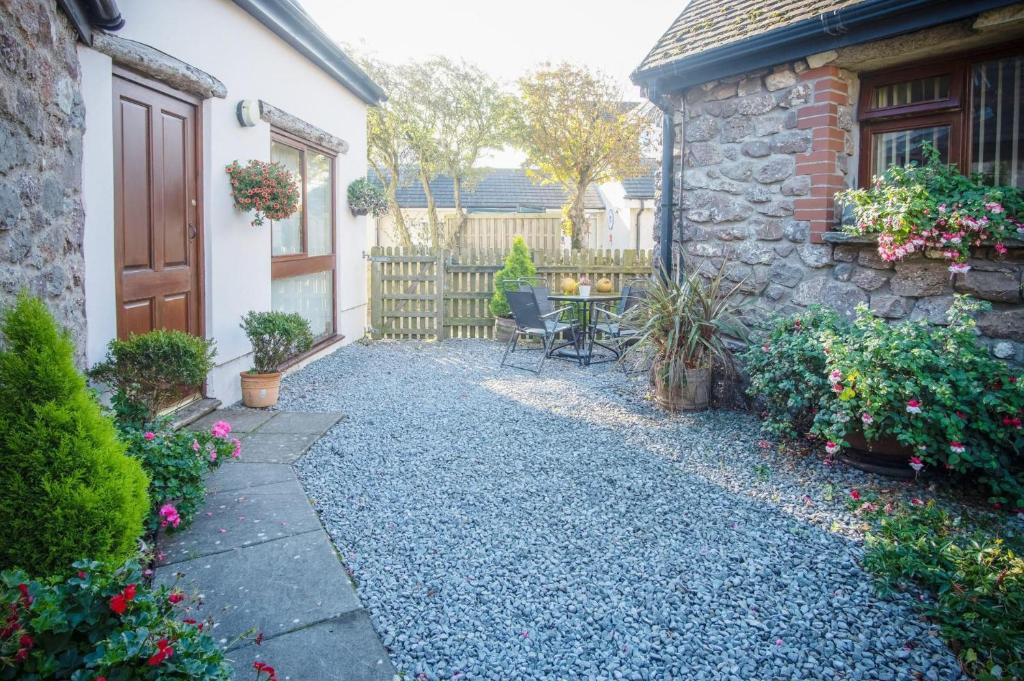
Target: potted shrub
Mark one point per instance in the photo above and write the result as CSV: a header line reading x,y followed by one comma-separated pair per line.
x,y
518,265
684,323
913,394
152,371
267,189
366,198
276,337
933,207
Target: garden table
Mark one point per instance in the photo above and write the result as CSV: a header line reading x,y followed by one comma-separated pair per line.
x,y
585,305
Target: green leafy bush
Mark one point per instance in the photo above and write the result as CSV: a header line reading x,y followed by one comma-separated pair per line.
x,y
276,337
153,370
973,578
935,389
934,207
102,623
367,198
67,490
176,463
518,265
787,370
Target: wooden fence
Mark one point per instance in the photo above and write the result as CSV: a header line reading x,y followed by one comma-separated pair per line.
x,y
483,232
419,293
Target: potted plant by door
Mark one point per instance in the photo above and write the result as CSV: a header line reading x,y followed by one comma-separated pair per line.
x,y
518,265
276,337
684,324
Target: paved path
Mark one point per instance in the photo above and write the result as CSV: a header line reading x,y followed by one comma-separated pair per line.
x,y
260,559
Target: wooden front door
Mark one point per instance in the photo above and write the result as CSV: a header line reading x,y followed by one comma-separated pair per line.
x,y
156,206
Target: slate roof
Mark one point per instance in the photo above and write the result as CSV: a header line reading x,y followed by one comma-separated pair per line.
x,y
642,187
497,190
706,24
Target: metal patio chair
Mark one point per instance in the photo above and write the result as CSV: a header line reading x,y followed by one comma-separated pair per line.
x,y
615,323
531,322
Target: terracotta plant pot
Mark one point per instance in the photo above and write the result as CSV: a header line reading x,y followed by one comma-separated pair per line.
x,y
503,328
260,390
885,456
689,395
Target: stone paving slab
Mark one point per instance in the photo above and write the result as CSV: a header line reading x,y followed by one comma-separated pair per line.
x,y
242,420
298,422
348,649
260,447
276,587
240,475
240,518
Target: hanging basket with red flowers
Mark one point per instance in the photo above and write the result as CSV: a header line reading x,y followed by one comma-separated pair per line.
x,y
268,189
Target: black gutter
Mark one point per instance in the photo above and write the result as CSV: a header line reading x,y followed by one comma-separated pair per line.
x,y
864,22
668,134
295,27
85,15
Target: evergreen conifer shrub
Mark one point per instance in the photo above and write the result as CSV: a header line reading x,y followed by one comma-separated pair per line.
x,y
67,490
517,266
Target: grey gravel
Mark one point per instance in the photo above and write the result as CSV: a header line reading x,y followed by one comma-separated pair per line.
x,y
502,525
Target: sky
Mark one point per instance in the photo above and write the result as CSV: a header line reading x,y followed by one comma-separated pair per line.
x,y
504,38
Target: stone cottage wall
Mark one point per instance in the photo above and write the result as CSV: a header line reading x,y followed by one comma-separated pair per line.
x,y
759,158
41,126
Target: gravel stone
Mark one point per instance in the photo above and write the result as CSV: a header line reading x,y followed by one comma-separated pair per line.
x,y
505,525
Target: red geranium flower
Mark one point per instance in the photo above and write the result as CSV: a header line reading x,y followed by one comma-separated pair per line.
x,y
118,604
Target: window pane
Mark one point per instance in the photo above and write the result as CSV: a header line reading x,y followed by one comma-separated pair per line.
x,y
318,204
912,92
311,295
286,235
997,120
902,147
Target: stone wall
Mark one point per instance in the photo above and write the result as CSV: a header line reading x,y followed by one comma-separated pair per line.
x,y
41,126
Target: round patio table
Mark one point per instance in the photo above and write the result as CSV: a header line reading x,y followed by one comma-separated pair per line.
x,y
585,304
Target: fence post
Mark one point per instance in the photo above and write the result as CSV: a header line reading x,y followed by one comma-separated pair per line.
x,y
376,295
439,279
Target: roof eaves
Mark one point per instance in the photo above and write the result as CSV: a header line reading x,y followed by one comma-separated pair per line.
x,y
295,27
863,22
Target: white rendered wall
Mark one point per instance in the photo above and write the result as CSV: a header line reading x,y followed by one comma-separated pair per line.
x,y
253,63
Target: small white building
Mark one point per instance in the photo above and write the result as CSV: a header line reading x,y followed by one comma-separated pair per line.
x,y
179,92
629,212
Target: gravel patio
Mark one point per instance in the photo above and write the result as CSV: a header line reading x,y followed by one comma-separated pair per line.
x,y
503,525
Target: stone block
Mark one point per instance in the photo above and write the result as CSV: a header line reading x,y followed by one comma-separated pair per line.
x,y
755,105
755,148
842,272
1004,350
839,295
736,129
753,253
785,273
240,475
703,154
301,422
816,60
784,249
997,286
700,129
798,185
737,232
721,91
796,231
780,80
920,279
275,447
869,279
749,86
775,293
815,256
798,95
1003,324
776,208
740,171
868,257
776,169
770,123
767,230
758,193
791,142
889,306
932,309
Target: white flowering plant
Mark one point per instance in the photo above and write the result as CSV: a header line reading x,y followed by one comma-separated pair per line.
x,y
935,390
933,207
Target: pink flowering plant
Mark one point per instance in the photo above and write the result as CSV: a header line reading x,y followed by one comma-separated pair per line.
x,y
268,189
102,623
934,208
935,390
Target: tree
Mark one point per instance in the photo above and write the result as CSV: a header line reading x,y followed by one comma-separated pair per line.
x,y
518,265
386,146
576,131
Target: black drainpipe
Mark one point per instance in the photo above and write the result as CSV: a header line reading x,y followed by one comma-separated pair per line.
x,y
105,14
668,133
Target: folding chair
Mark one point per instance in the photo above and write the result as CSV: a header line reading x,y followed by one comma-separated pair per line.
x,y
531,322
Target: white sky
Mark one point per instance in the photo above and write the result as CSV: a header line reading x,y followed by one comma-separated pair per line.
x,y
506,39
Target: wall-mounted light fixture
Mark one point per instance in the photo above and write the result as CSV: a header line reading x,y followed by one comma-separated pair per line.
x,y
248,112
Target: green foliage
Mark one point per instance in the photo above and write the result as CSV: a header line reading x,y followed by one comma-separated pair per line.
x,y
276,337
935,389
154,370
367,198
67,490
787,370
518,265
268,189
176,463
70,629
684,323
974,581
934,207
